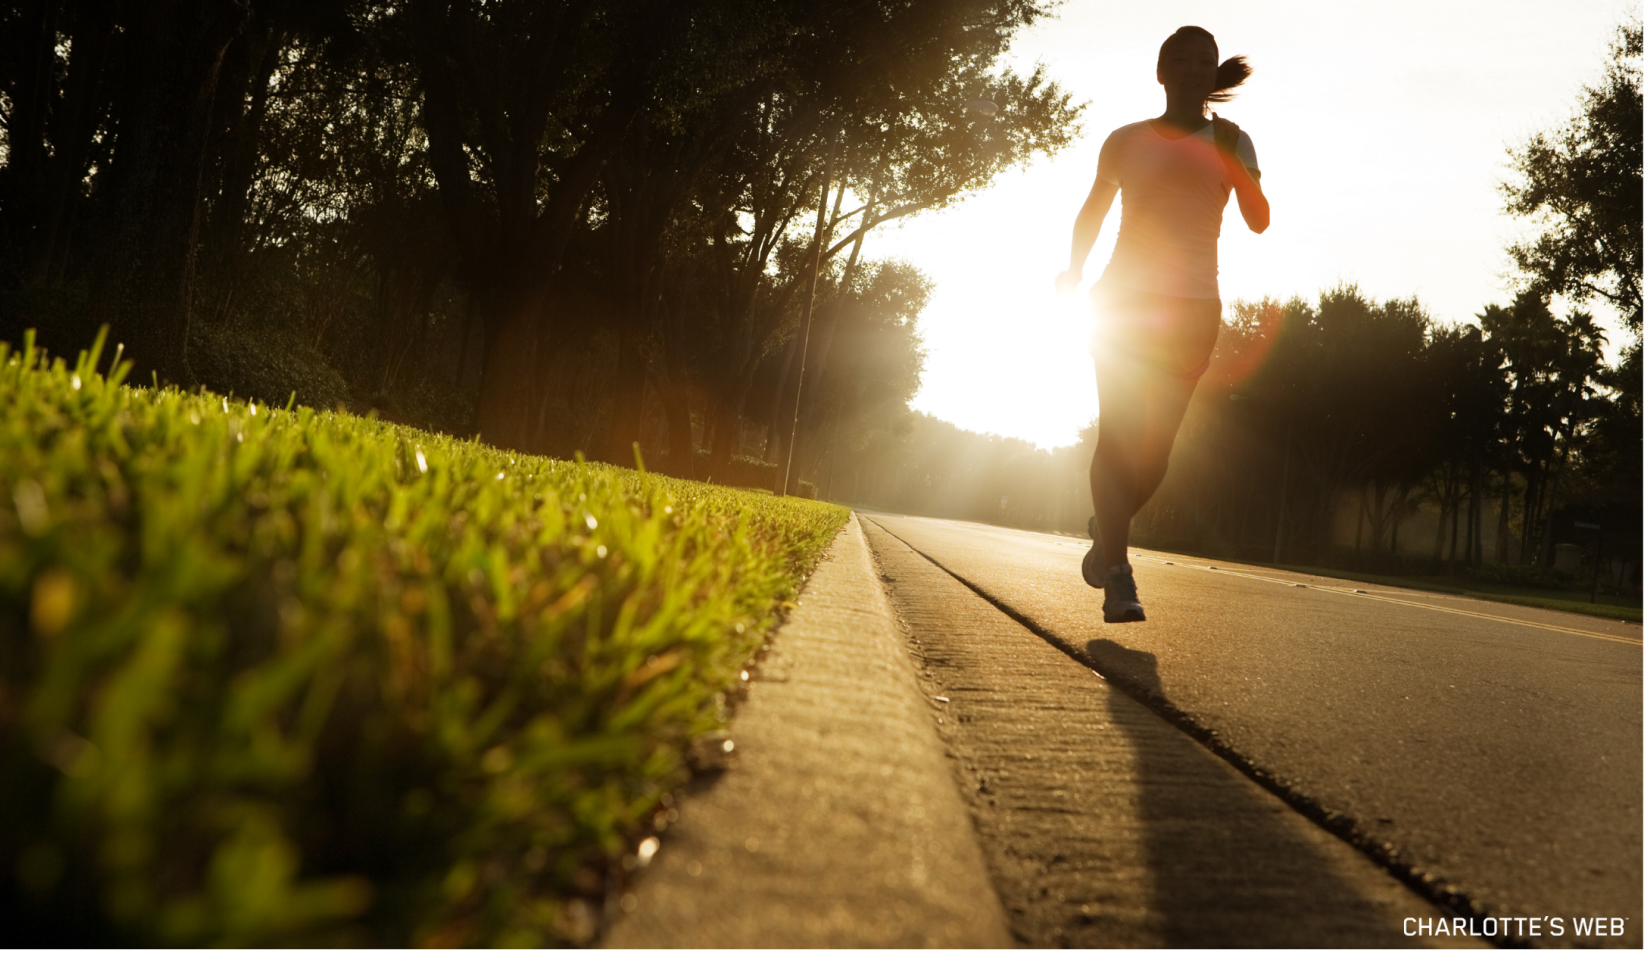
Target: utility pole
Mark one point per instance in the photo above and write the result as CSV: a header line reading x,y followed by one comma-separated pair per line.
x,y
806,316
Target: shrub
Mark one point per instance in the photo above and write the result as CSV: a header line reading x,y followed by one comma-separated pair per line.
x,y
268,367
750,472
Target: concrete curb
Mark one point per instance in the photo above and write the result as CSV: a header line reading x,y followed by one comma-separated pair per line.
x,y
839,824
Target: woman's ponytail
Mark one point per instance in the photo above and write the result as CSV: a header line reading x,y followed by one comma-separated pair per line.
x,y
1231,73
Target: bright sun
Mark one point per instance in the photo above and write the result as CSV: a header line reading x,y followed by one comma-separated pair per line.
x,y
1007,354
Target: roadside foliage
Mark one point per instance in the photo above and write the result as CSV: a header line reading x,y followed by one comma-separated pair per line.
x,y
274,676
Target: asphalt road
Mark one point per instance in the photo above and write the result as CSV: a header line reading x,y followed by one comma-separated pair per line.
x,y
1489,754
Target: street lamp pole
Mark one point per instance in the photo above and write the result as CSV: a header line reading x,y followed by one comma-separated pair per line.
x,y
978,107
806,317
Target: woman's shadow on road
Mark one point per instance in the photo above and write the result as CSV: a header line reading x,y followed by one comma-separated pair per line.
x,y
1232,863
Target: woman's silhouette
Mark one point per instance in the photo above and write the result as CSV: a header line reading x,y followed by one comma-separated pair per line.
x,y
1157,303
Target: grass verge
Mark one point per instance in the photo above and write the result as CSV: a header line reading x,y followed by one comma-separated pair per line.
x,y
275,677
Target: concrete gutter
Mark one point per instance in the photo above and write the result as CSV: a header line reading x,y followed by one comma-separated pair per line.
x,y
838,823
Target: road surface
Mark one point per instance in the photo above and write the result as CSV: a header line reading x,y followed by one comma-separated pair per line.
x,y
1487,755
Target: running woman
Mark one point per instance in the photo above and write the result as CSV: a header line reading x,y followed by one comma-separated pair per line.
x,y
1157,302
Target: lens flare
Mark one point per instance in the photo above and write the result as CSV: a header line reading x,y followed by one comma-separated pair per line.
x,y
1249,333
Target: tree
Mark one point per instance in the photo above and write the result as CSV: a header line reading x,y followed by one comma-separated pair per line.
x,y
1583,185
135,83
1568,414
864,98
902,149
1344,378
1474,394
1553,365
523,103
877,359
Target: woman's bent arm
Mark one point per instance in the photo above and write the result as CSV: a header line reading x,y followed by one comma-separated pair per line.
x,y
1087,225
1255,208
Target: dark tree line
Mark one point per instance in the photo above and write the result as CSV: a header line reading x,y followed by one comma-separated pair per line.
x,y
572,225
1362,413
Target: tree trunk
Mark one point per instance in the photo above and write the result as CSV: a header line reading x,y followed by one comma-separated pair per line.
x,y
629,383
1474,555
506,372
28,151
248,65
1546,548
1526,554
1360,515
511,234
818,361
406,287
1452,549
145,287
70,128
683,457
1441,517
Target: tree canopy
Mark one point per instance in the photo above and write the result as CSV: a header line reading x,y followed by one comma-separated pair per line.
x,y
563,224
1582,185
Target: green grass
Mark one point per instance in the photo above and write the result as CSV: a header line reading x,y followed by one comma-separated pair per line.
x,y
275,677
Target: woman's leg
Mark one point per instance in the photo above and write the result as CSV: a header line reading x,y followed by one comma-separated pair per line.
x,y
1168,399
1114,475
1138,422
1144,389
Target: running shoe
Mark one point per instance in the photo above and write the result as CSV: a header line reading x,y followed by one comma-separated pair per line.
x,y
1121,596
1092,565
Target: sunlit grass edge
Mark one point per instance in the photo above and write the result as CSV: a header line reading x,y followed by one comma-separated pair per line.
x,y
279,676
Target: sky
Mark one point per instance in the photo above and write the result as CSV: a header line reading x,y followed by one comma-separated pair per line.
x,y
1381,130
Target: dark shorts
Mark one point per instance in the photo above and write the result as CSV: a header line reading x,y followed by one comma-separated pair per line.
x,y
1172,335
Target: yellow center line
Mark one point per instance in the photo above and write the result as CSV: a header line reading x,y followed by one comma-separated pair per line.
x,y
1390,599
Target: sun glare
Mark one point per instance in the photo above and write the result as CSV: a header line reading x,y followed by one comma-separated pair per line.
x,y
1007,356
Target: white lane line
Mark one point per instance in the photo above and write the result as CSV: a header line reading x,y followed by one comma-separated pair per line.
x,y
1390,599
